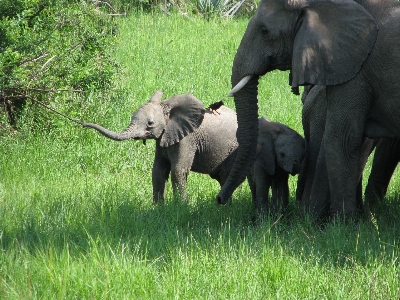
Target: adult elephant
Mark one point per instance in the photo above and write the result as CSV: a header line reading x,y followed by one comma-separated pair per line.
x,y
313,191
351,47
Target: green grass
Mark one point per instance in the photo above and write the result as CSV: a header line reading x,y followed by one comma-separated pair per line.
x,y
77,219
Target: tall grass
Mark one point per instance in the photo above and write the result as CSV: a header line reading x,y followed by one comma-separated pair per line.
x,y
76,218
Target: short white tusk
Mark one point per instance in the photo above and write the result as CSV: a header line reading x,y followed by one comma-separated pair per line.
x,y
240,85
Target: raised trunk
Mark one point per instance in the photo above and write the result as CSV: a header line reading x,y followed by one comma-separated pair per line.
x,y
117,136
247,116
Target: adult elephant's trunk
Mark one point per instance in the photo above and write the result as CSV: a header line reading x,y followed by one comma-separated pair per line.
x,y
247,116
128,133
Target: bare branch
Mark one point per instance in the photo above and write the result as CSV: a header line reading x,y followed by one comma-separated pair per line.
x,y
234,9
116,15
38,73
47,62
103,2
20,96
165,10
33,59
53,110
54,90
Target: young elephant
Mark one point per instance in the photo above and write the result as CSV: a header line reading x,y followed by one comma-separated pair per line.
x,y
188,138
280,151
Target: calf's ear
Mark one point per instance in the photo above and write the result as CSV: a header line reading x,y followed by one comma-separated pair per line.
x,y
184,114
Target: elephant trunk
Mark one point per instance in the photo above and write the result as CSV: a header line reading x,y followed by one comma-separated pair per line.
x,y
247,117
128,133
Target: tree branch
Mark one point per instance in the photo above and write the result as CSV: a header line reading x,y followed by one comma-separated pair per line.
x,y
105,3
33,59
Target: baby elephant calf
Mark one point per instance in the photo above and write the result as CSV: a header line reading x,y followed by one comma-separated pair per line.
x,y
188,138
280,152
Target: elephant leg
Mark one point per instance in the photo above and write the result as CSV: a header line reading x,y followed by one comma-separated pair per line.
x,y
360,205
280,191
160,174
262,185
179,179
318,200
342,140
251,182
301,180
385,161
366,149
181,163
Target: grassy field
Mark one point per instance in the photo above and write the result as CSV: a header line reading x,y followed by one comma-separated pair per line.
x,y
77,219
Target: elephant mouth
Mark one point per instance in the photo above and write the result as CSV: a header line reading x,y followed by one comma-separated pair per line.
x,y
145,136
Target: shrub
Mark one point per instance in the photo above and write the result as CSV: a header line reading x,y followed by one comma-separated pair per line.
x,y
51,50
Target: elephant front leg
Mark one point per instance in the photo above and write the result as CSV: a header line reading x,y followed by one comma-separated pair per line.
x,y
160,174
346,113
317,199
280,191
179,179
262,184
181,156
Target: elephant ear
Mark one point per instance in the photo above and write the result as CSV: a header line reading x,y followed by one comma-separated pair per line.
x,y
184,114
266,156
333,40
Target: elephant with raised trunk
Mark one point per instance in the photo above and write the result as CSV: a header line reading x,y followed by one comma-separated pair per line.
x,y
188,138
352,48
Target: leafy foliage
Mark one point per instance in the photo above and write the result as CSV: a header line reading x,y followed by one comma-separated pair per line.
x,y
49,49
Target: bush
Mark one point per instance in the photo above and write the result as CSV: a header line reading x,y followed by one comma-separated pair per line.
x,y
52,51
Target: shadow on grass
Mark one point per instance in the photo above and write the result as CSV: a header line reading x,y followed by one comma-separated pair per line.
x,y
153,231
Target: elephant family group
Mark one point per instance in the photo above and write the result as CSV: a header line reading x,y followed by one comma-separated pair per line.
x,y
345,52
192,138
351,48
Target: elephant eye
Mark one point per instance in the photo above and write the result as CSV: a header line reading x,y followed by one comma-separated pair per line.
x,y
150,123
264,30
282,155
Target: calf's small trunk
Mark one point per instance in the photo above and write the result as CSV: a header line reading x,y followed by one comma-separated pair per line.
x,y
117,136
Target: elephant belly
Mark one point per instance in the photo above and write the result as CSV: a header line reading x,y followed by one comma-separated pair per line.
x,y
215,141
211,161
384,115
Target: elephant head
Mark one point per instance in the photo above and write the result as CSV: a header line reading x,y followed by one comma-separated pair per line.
x,y
167,121
281,145
322,42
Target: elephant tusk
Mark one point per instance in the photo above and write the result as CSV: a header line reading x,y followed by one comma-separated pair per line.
x,y
240,85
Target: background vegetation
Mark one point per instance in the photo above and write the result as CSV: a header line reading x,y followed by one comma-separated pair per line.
x,y
76,218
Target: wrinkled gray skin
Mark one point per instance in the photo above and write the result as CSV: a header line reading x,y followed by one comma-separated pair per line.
x,y
280,151
188,138
335,44
386,158
314,194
